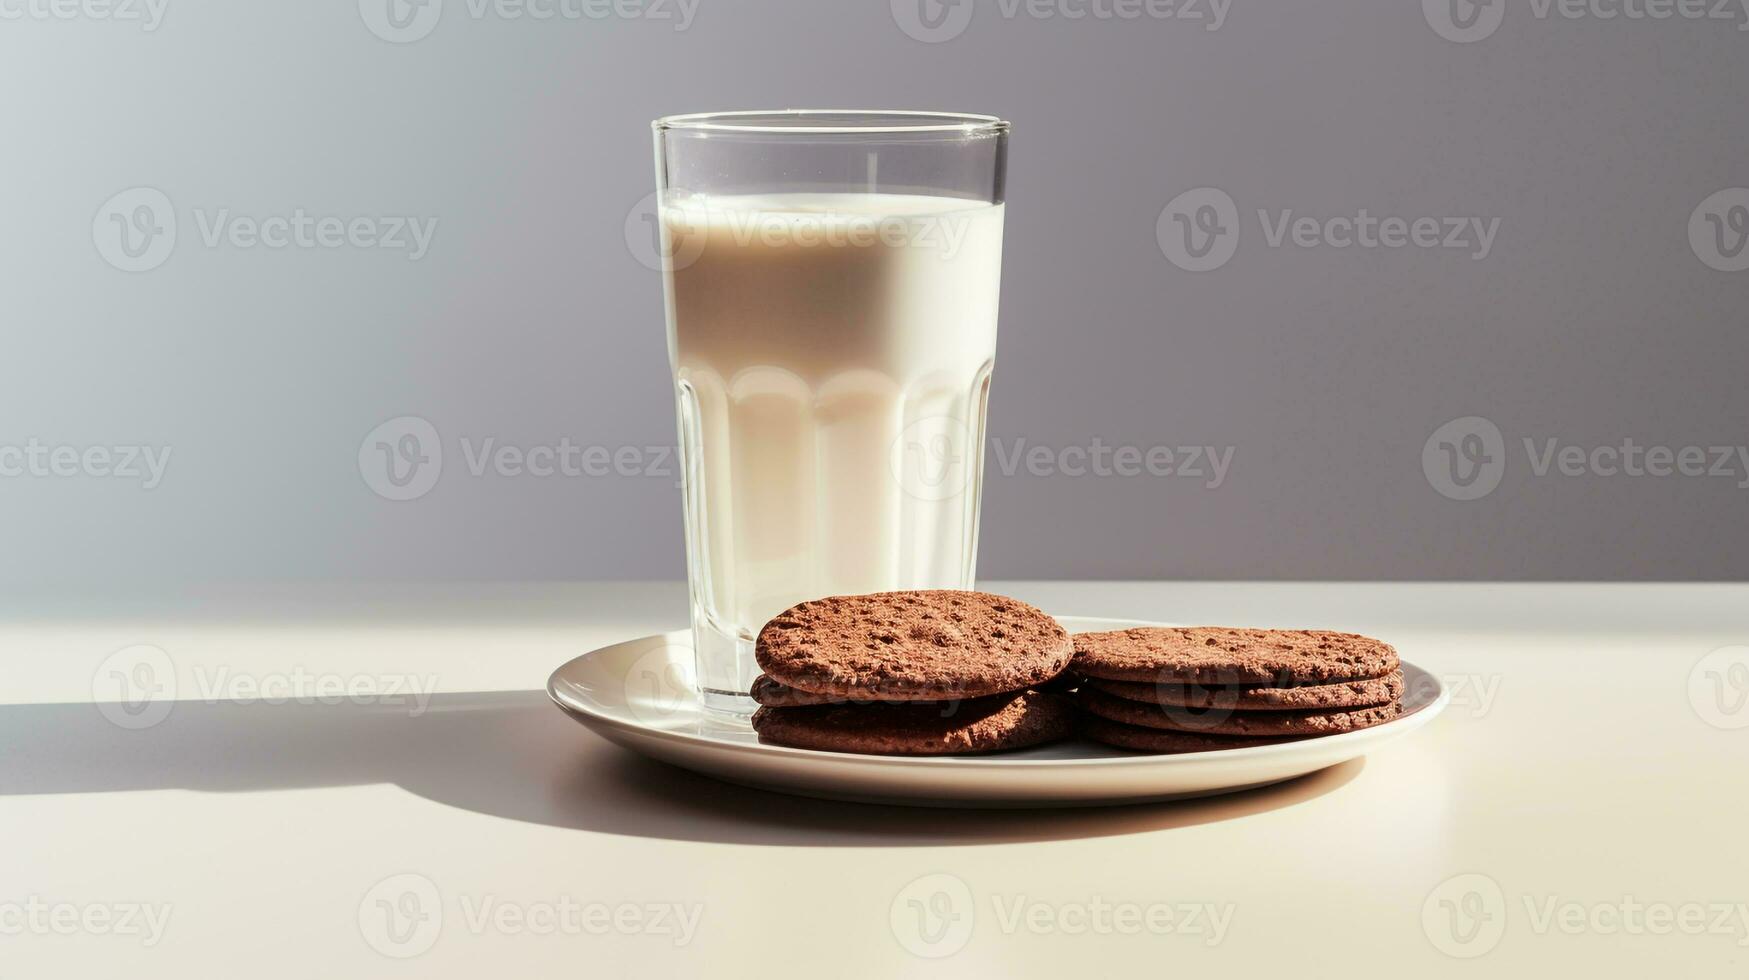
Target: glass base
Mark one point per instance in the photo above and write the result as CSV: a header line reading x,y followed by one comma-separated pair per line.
x,y
727,704
724,668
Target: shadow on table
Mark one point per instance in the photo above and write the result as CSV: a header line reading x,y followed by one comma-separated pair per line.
x,y
514,755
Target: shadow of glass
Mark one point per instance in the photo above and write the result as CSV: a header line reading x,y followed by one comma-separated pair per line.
x,y
514,755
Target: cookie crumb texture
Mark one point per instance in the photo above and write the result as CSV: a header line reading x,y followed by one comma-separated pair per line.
x,y
913,646
1226,655
989,724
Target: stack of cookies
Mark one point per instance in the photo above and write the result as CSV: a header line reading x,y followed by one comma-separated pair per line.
x,y
1197,689
911,673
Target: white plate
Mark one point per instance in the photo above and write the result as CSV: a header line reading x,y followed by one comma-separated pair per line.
x,y
639,695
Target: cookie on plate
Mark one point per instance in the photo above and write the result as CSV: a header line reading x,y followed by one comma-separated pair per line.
x,y
1228,656
1219,721
770,694
987,724
1257,697
930,645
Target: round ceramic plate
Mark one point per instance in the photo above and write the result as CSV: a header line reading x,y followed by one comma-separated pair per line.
x,y
639,695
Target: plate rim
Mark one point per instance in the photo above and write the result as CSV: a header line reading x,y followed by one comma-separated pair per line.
x,y
1402,724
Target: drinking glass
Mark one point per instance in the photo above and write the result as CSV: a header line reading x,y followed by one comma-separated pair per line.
x,y
830,282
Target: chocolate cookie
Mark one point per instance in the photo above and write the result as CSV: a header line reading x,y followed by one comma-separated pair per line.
x,y
1342,694
912,646
1220,655
1139,739
988,724
1267,724
771,694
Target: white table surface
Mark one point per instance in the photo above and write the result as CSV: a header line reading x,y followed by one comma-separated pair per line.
x,y
1604,802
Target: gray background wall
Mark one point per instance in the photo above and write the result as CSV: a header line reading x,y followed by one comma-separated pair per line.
x,y
1592,319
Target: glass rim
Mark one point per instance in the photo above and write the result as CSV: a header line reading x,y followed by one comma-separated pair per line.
x,y
849,122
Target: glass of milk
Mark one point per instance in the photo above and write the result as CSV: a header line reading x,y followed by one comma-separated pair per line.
x,y
831,282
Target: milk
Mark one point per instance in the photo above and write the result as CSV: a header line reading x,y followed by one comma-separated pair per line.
x,y
832,357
